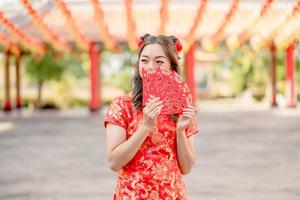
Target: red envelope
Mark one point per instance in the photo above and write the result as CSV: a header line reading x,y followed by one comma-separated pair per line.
x,y
170,88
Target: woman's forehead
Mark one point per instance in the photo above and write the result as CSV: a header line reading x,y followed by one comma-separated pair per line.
x,y
153,50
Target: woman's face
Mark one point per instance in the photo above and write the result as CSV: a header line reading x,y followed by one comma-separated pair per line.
x,y
154,56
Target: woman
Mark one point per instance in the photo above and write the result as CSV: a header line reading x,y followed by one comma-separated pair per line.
x,y
150,151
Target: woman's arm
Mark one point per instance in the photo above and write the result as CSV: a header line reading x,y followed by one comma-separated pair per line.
x,y
119,150
185,145
185,152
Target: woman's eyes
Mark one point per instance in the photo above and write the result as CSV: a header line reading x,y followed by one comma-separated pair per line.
x,y
158,62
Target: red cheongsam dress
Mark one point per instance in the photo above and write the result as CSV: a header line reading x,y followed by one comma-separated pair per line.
x,y
154,172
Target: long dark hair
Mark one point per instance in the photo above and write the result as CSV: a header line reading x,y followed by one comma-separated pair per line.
x,y
168,45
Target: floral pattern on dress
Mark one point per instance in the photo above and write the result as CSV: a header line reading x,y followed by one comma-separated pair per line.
x,y
153,173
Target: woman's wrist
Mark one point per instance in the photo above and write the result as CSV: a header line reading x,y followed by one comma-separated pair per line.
x,y
179,130
145,126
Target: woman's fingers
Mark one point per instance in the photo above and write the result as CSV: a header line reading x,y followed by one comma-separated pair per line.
x,y
188,115
152,99
156,111
151,102
155,105
191,109
152,108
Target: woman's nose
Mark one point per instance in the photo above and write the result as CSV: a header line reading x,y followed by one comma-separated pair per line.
x,y
152,65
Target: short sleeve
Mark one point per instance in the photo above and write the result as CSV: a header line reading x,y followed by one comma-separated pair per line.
x,y
116,113
192,129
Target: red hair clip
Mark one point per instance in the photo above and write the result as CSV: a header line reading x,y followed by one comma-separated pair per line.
x,y
140,42
178,45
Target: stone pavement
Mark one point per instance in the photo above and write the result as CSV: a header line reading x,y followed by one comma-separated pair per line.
x,y
241,155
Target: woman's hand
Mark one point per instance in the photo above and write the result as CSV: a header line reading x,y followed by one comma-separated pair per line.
x,y
151,111
185,120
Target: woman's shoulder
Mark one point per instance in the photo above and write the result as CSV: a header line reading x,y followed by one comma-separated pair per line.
x,y
124,98
119,111
123,101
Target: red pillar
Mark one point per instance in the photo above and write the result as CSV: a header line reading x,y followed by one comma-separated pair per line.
x,y
190,70
18,90
273,75
95,100
290,77
7,103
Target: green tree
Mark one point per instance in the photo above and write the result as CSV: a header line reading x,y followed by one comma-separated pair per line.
x,y
42,69
121,69
244,69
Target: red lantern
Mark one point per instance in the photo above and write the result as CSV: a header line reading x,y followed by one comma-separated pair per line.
x,y
81,40
29,42
57,42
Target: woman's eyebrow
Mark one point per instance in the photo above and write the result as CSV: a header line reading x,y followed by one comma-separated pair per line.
x,y
160,57
154,57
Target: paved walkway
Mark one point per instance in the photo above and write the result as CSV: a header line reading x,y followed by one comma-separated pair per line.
x,y
241,155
